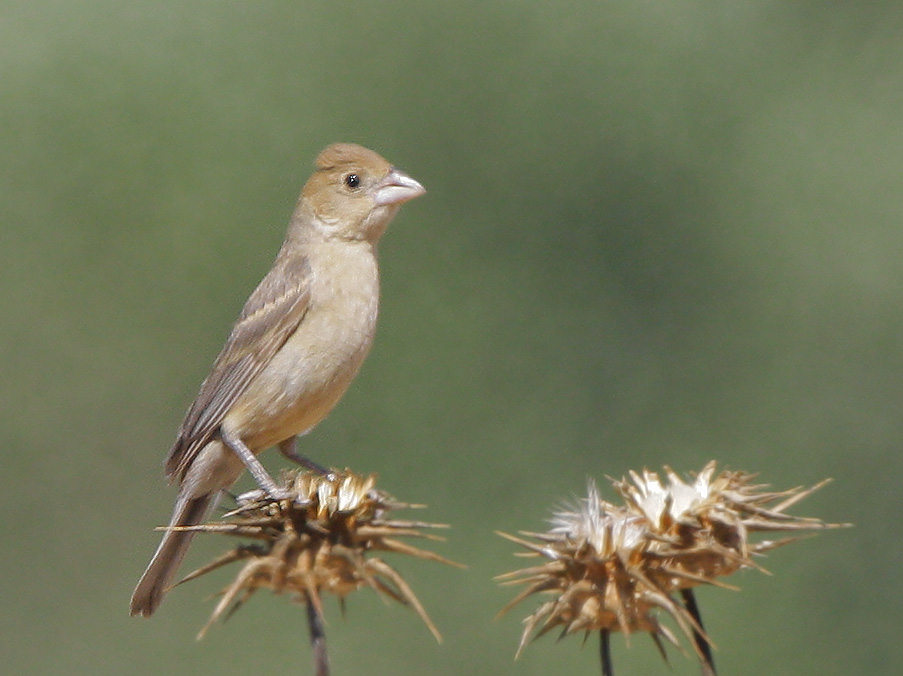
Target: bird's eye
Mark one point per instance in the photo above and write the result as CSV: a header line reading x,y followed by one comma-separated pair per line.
x,y
352,180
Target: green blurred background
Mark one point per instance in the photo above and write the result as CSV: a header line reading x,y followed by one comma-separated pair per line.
x,y
656,233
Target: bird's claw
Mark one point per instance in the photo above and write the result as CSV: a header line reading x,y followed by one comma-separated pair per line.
x,y
280,494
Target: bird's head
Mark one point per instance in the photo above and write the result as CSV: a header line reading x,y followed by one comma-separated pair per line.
x,y
355,192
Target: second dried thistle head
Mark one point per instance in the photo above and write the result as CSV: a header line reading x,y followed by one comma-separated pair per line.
x,y
606,567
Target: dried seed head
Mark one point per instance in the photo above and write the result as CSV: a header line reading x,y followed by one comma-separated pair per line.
x,y
613,567
322,538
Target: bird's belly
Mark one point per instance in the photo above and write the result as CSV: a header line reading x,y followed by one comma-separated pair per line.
x,y
306,377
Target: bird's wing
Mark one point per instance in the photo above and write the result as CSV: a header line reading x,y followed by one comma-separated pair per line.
x,y
271,315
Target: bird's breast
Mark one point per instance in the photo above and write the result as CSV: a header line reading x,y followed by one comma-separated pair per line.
x,y
310,373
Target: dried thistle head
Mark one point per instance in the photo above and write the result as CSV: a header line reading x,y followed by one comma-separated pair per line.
x,y
594,573
703,526
607,567
321,539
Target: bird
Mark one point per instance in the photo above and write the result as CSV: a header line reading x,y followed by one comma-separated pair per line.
x,y
293,351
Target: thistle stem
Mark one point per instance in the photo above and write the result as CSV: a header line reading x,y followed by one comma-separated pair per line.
x,y
605,652
702,644
317,639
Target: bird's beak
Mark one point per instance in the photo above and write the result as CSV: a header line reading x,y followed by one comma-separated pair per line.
x,y
396,188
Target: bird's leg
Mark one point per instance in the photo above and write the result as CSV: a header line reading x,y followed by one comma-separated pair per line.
x,y
257,470
288,448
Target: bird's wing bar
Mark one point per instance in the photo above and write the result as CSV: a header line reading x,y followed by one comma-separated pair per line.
x,y
269,318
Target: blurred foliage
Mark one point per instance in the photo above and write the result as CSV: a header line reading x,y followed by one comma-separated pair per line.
x,y
655,233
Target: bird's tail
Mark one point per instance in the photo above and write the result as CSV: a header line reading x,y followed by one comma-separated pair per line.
x,y
189,511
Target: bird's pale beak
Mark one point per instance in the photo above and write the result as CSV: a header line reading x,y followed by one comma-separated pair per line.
x,y
396,188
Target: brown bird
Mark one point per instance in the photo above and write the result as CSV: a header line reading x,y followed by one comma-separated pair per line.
x,y
297,344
